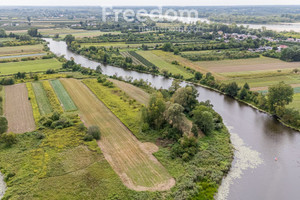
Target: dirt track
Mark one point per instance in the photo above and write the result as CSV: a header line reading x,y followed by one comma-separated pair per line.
x,y
18,110
137,167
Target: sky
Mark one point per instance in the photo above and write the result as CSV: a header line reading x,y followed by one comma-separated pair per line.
x,y
145,2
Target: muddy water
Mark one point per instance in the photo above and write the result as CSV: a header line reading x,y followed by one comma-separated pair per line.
x,y
257,137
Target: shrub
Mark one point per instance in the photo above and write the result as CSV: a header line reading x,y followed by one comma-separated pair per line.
x,y
82,127
94,131
3,124
40,136
9,139
50,71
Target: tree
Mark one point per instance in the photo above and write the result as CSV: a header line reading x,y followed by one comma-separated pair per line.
x,y
280,94
153,114
232,89
198,76
94,131
3,124
291,54
167,46
246,86
2,33
9,139
186,97
174,115
203,119
69,39
33,32
175,86
243,93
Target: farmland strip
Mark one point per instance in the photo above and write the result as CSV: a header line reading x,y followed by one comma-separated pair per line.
x,y
63,96
137,169
42,99
18,110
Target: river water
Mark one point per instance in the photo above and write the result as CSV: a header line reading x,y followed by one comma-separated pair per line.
x,y
257,137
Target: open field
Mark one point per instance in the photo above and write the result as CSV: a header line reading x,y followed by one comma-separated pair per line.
x,y
170,57
138,168
163,64
18,110
133,91
19,50
117,44
247,65
60,166
63,96
78,33
296,102
29,66
41,98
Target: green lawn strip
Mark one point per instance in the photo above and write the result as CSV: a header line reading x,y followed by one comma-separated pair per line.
x,y
29,66
162,64
63,96
41,98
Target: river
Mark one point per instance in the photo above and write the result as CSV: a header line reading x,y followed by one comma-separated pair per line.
x,y
191,20
257,137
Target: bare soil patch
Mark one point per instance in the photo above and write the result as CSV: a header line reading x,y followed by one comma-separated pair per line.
x,y
18,110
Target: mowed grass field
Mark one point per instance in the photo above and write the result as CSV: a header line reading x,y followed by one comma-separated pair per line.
x,y
29,66
138,169
41,98
161,63
132,91
19,50
63,96
18,110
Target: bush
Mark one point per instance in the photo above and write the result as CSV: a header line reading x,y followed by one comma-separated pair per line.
x,y
3,124
94,131
40,136
7,81
82,127
9,139
50,71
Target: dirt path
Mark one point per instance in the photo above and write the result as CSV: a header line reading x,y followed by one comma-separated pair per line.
x,y
18,110
137,167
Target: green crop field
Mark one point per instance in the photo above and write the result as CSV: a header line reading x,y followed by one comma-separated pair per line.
x,y
41,98
19,50
118,44
163,64
29,66
63,96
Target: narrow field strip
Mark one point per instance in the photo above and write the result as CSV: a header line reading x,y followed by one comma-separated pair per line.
x,y
29,66
138,169
52,97
164,65
41,98
34,105
63,96
18,110
134,92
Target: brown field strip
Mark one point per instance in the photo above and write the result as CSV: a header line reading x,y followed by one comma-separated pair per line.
x,y
134,92
18,110
131,160
251,64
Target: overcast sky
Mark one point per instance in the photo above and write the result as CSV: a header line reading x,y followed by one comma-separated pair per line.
x,y
147,2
